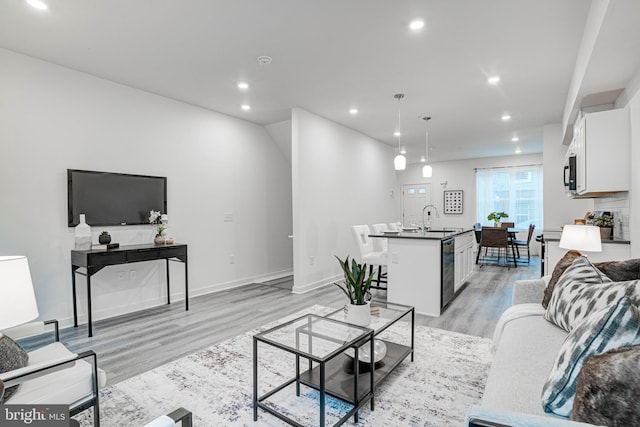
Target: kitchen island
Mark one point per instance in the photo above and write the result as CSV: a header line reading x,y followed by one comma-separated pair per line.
x,y
427,269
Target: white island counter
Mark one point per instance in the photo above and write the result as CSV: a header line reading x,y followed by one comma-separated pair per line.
x,y
427,269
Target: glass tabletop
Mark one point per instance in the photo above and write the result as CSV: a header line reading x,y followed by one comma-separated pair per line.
x,y
314,336
383,314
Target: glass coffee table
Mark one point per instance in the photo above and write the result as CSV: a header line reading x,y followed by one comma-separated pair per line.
x,y
331,346
319,340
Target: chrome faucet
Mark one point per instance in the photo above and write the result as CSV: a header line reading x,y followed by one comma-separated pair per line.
x,y
424,228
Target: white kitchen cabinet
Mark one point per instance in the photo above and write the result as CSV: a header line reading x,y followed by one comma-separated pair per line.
x,y
610,252
601,146
464,260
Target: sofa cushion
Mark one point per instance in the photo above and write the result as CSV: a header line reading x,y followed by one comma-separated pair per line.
x,y
526,347
564,263
578,293
608,389
620,271
609,328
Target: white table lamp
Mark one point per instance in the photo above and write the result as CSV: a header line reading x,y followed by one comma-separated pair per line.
x,y
17,299
584,238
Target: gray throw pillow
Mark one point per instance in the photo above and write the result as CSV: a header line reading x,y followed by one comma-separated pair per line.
x,y
608,389
620,271
613,327
12,356
580,292
564,263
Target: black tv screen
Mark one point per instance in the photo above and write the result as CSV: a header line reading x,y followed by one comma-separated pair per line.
x,y
114,198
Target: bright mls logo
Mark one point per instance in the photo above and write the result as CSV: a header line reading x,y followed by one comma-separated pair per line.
x,y
34,415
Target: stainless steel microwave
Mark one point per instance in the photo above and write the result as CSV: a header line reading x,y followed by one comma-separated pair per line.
x,y
570,174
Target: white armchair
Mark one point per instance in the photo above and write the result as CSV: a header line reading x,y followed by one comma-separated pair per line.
x,y
53,374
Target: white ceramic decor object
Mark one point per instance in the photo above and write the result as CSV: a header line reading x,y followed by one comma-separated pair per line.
x,y
379,351
83,235
358,314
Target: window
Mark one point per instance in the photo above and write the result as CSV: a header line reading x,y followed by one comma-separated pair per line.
x,y
514,190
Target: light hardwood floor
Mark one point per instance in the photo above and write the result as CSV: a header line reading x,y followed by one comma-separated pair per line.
x,y
134,343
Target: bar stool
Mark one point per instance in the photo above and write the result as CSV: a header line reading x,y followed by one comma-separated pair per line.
x,y
368,254
382,243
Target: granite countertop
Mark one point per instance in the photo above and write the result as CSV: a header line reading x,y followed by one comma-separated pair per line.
x,y
433,234
554,236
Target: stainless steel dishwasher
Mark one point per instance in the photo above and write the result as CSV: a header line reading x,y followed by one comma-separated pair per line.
x,y
448,255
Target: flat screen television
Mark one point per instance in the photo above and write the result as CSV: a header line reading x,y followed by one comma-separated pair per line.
x,y
114,198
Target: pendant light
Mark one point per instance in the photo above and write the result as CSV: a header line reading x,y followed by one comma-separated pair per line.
x,y
400,161
427,170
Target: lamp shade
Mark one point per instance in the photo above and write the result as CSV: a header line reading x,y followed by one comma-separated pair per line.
x,y
427,171
17,299
581,238
400,162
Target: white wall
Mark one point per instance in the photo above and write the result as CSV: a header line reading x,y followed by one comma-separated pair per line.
x,y
340,178
53,118
460,175
634,193
558,208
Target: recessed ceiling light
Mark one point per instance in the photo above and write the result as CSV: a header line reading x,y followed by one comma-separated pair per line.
x,y
403,150
396,133
416,24
506,118
515,139
38,4
243,85
518,150
353,111
246,107
493,80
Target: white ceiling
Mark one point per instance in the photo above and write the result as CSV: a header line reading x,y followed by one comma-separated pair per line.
x,y
329,56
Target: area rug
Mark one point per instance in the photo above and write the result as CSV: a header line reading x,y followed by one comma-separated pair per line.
x,y
216,384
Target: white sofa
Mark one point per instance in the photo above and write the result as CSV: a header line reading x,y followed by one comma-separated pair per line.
x,y
525,347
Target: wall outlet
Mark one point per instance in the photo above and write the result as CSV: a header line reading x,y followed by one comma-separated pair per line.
x,y
311,260
232,259
132,275
394,258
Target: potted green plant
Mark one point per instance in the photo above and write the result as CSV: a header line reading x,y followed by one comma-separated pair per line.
x,y
104,238
356,287
605,222
496,216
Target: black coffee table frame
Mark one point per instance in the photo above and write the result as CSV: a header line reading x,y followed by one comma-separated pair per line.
x,y
358,396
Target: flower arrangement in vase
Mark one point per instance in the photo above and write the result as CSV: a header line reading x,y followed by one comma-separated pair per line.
x,y
605,222
496,217
155,217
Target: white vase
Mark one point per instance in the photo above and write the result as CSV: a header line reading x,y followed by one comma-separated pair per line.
x,y
82,234
358,314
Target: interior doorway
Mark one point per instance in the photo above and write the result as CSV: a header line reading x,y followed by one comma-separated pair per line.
x,y
414,198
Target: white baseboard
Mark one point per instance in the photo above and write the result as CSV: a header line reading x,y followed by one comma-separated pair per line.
x,y
177,297
315,285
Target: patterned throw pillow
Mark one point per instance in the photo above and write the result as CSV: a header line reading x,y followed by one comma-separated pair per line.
x,y
12,356
608,388
579,292
613,327
564,263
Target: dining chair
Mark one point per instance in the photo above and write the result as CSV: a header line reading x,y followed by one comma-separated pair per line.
x,y
368,255
525,243
510,236
496,238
